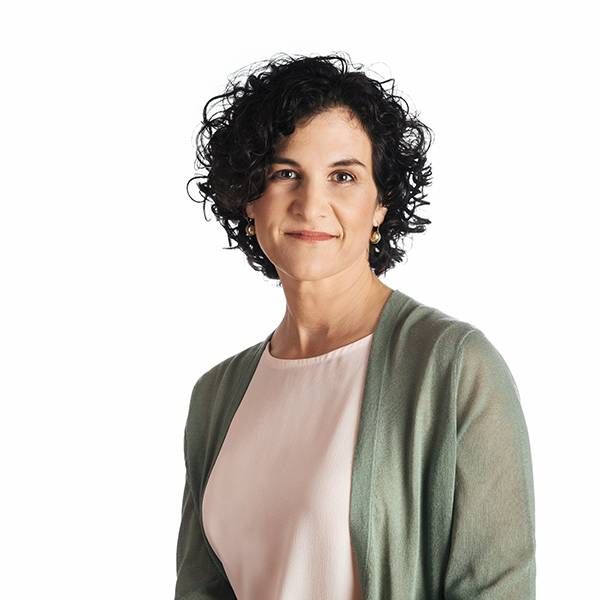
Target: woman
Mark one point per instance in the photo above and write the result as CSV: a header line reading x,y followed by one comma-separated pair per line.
x,y
371,446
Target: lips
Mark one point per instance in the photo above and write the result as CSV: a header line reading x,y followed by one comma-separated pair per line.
x,y
311,235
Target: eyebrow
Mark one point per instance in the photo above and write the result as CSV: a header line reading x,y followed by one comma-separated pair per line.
x,y
344,162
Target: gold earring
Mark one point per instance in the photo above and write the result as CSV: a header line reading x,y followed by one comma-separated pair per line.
x,y
250,229
375,236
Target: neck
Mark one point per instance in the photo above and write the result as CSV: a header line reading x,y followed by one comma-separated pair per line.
x,y
314,323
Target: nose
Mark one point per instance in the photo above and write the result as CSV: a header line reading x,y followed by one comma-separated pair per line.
x,y
311,199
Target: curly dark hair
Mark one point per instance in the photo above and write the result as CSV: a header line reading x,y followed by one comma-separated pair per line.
x,y
236,145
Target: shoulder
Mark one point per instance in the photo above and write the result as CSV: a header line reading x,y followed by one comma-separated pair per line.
x,y
215,382
426,334
464,361
427,330
483,382
476,352
227,366
230,366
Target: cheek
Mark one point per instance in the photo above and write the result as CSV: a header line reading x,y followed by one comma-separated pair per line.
x,y
266,213
356,222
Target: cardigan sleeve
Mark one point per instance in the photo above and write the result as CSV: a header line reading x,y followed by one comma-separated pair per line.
x,y
197,576
492,546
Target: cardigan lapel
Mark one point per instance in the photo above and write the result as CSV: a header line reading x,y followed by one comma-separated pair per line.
x,y
364,451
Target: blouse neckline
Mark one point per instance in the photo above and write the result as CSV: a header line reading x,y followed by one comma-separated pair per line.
x,y
283,363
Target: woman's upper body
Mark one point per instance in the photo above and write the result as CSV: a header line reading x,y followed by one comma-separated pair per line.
x,y
328,168
441,497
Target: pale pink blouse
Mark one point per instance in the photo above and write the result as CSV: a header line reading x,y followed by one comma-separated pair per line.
x,y
276,504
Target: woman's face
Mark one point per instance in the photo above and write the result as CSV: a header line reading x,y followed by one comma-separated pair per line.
x,y
307,191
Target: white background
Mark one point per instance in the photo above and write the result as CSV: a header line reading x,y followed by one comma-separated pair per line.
x,y
117,293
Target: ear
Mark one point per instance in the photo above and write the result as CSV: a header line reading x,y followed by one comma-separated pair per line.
x,y
248,209
379,215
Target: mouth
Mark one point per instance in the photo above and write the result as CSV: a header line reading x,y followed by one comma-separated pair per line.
x,y
311,236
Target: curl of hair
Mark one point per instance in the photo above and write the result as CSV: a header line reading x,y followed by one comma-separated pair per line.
x,y
236,143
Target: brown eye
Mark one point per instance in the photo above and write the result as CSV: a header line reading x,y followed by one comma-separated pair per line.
x,y
276,173
345,173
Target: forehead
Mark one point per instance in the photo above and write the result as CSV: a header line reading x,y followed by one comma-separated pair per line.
x,y
329,135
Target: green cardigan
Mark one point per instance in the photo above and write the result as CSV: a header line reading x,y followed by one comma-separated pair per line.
x,y
442,499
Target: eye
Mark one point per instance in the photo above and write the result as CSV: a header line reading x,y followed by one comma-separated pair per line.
x,y
345,173
274,175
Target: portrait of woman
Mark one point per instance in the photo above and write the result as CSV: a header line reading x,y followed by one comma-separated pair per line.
x,y
370,446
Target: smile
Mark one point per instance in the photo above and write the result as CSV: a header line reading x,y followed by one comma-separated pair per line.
x,y
312,237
